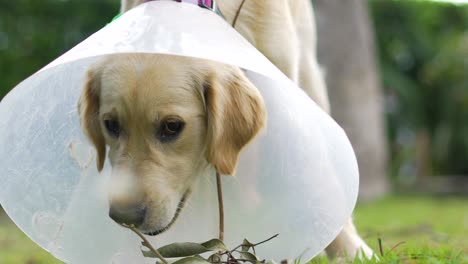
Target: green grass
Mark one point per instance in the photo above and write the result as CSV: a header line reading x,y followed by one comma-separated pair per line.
x,y
415,229
432,222
17,248
411,229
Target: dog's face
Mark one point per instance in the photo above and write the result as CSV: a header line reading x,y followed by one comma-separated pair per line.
x,y
165,119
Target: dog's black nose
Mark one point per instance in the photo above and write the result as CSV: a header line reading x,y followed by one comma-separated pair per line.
x,y
130,216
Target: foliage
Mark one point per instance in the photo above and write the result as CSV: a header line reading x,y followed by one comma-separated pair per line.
x,y
423,48
33,33
189,252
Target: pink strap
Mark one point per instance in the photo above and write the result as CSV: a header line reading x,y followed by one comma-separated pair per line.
x,y
207,3
204,3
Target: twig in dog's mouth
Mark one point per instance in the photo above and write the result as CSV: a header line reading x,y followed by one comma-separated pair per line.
x,y
190,252
146,243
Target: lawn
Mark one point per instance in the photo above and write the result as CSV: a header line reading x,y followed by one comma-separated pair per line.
x,y
411,229
415,229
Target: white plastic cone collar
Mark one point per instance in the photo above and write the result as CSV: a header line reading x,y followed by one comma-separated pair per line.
x,y
302,183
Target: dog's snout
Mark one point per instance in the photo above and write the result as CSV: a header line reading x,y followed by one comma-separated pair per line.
x,y
128,215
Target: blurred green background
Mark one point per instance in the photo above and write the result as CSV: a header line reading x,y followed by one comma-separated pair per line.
x,y
422,54
422,50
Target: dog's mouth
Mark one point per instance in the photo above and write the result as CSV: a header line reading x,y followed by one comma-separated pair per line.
x,y
180,206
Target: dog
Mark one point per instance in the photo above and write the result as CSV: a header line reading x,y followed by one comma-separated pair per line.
x,y
166,119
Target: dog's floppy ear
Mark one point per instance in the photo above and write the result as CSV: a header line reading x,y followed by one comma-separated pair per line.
x,y
236,113
88,109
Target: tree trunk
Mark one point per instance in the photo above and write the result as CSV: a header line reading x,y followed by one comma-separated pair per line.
x,y
423,156
346,51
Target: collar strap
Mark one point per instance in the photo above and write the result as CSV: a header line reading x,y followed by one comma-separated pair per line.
x,y
208,4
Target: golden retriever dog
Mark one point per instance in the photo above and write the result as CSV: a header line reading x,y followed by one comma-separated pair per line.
x,y
167,119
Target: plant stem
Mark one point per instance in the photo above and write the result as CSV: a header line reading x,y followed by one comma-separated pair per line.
x,y
380,247
266,240
256,244
147,243
220,206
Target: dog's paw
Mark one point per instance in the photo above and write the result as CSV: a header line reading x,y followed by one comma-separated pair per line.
x,y
358,249
365,252
349,245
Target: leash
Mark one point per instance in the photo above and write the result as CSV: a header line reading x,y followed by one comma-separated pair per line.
x,y
237,14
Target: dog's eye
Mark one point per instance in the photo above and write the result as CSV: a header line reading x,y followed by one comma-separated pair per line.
x,y
170,129
113,127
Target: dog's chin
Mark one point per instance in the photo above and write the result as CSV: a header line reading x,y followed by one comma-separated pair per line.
x,y
179,208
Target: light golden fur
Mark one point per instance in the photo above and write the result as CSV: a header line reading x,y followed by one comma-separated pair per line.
x,y
221,108
222,111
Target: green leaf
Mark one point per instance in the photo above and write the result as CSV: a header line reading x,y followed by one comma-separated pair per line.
x,y
185,249
215,258
248,256
246,245
214,244
192,260
178,250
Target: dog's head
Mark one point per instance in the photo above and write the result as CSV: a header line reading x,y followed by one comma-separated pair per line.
x,y
165,119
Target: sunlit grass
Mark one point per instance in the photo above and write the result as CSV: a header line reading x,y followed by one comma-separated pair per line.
x,y
415,229
452,1
416,221
17,248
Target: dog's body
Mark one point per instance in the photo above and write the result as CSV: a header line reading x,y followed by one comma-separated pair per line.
x,y
284,31
161,139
